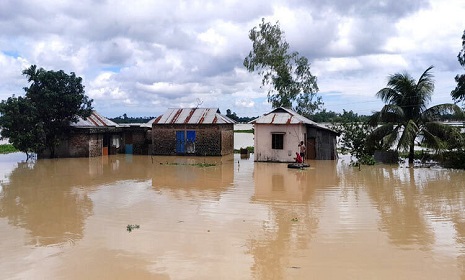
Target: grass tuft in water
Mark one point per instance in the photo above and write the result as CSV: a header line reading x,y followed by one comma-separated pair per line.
x,y
130,228
202,164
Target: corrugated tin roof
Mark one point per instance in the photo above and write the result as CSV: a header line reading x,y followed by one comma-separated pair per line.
x,y
193,116
283,116
286,116
94,120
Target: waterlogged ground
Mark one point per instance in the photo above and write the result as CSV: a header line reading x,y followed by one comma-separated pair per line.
x,y
69,218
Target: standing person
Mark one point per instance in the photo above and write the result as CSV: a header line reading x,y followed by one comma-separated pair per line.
x,y
302,150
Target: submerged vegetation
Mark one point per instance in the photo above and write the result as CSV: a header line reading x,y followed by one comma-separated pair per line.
x,y
130,228
244,131
200,164
250,149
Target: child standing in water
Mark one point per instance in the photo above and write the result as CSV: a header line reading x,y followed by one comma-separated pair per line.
x,y
302,150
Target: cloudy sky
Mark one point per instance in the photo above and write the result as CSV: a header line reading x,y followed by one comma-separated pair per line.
x,y
140,57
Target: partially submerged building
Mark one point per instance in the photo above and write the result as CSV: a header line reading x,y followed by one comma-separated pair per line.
x,y
90,137
279,132
193,131
98,136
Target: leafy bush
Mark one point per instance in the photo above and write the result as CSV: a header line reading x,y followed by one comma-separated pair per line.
x,y
454,159
7,148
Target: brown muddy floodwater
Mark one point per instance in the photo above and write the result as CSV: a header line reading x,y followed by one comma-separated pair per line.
x,y
68,219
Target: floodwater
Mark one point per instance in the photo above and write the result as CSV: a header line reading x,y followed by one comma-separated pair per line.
x,y
69,218
243,139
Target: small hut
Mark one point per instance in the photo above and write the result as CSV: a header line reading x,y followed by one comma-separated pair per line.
x,y
193,131
279,132
90,137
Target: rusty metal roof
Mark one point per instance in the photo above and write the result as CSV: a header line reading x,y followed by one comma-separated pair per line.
x,y
283,116
286,116
193,116
94,120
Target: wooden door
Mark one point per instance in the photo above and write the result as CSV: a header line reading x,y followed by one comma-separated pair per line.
x,y
311,151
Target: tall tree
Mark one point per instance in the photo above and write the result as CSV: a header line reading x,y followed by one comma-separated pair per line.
x,y
405,116
458,94
286,72
17,119
41,118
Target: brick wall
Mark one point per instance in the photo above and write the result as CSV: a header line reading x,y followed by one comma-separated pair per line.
x,y
95,145
78,145
211,140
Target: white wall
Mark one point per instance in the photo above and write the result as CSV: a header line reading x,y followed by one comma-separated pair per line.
x,y
293,134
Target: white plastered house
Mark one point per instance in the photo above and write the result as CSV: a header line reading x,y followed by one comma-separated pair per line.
x,y
279,132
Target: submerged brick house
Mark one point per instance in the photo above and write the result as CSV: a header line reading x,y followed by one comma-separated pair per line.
x,y
193,131
98,136
90,137
278,133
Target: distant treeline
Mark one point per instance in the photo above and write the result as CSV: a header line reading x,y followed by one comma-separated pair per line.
x,y
233,116
332,117
322,116
349,116
125,119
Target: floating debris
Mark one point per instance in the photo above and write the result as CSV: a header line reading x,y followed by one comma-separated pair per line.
x,y
132,227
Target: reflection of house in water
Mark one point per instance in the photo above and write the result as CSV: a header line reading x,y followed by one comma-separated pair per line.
x,y
39,198
50,198
183,176
277,182
291,222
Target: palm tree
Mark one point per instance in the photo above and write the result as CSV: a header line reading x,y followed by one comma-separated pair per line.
x,y
405,117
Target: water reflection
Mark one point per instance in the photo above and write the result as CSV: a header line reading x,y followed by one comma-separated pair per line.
x,y
40,197
193,176
291,223
396,193
234,219
274,181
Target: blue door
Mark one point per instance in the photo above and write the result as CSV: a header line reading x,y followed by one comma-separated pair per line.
x,y
128,149
180,142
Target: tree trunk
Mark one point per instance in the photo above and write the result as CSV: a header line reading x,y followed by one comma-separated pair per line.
x,y
52,151
411,154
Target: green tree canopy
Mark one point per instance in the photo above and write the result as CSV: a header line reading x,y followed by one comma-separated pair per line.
x,y
286,72
458,94
405,116
43,116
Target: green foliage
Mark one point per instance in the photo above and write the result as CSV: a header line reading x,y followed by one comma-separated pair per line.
x,y
249,148
244,131
234,117
333,117
324,116
458,94
286,72
423,155
7,148
43,116
454,159
19,125
353,140
130,228
200,164
125,119
405,116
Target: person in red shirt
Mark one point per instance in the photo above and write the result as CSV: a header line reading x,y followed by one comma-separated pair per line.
x,y
298,158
